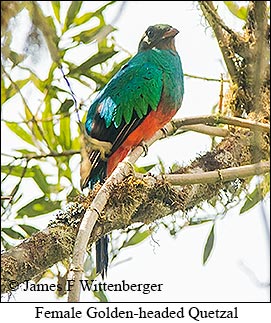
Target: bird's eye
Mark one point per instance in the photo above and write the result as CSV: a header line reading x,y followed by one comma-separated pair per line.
x,y
150,33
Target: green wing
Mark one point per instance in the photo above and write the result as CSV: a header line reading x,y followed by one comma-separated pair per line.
x,y
136,87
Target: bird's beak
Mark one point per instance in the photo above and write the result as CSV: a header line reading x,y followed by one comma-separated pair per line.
x,y
172,32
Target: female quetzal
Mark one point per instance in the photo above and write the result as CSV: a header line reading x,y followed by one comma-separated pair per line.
x,y
138,101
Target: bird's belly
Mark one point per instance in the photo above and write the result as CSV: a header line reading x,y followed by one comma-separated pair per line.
x,y
152,123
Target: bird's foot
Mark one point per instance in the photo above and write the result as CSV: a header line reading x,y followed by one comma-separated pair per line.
x,y
145,148
103,146
165,132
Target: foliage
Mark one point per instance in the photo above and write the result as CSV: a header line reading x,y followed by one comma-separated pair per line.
x,y
239,12
47,128
48,104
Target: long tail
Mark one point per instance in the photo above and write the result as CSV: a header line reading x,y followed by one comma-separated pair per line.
x,y
93,170
102,256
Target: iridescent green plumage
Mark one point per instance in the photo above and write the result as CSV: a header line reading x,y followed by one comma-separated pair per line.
x,y
138,87
137,102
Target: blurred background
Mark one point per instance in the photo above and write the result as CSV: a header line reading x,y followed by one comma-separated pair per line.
x,y
237,269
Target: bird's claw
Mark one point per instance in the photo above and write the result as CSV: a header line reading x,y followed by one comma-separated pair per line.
x,y
165,132
145,148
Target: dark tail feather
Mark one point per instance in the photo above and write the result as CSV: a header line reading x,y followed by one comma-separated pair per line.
x,y
102,256
98,174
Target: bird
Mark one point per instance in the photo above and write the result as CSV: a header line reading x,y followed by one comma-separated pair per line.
x,y
139,100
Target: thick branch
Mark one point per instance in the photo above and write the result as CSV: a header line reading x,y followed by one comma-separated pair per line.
x,y
239,122
207,130
220,175
79,251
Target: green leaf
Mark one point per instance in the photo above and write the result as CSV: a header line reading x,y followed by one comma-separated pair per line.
x,y
16,58
20,132
72,13
56,8
137,238
40,179
252,199
96,59
39,206
88,36
162,166
28,113
198,221
32,126
28,229
48,125
239,12
101,296
17,171
86,17
144,169
100,79
76,145
7,93
65,133
39,84
65,106
12,233
209,245
25,152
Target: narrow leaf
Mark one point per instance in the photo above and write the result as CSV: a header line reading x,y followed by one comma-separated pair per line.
x,y
252,199
98,33
39,206
209,245
65,106
96,59
9,92
137,237
40,179
12,233
20,132
72,13
65,133
33,127
17,171
144,169
48,125
56,8
16,58
25,152
162,166
81,20
28,229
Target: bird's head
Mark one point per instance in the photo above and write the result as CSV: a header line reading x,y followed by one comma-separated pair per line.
x,y
158,36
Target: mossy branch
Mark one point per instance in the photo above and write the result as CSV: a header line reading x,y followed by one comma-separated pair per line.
x,y
223,175
132,200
